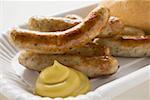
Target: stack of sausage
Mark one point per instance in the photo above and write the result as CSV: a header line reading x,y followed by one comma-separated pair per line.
x,y
69,40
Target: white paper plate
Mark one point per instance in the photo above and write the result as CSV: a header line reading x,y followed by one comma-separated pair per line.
x,y
17,82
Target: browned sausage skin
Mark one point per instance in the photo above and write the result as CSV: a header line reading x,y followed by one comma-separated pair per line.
x,y
91,66
90,49
53,24
48,24
127,46
64,41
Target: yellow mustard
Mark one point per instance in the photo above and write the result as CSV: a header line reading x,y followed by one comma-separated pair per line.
x,y
61,81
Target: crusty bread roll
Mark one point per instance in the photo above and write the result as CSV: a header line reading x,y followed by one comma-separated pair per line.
x,y
132,12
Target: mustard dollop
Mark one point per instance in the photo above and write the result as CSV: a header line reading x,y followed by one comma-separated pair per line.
x,y
61,81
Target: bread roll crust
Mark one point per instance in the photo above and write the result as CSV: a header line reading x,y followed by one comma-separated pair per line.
x,y
134,13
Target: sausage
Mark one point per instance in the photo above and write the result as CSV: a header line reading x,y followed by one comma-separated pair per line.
x,y
64,41
128,46
91,66
53,24
113,28
48,24
132,42
90,49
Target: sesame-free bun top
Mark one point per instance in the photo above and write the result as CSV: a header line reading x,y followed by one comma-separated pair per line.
x,y
132,12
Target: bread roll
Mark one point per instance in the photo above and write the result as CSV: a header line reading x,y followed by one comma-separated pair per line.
x,y
132,12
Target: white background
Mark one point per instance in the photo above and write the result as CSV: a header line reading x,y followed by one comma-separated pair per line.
x,y
17,12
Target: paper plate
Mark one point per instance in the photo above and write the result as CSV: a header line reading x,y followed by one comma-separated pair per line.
x,y
17,82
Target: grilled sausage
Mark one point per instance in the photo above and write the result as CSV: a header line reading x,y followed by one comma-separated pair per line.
x,y
90,49
128,46
48,24
92,66
53,24
64,41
